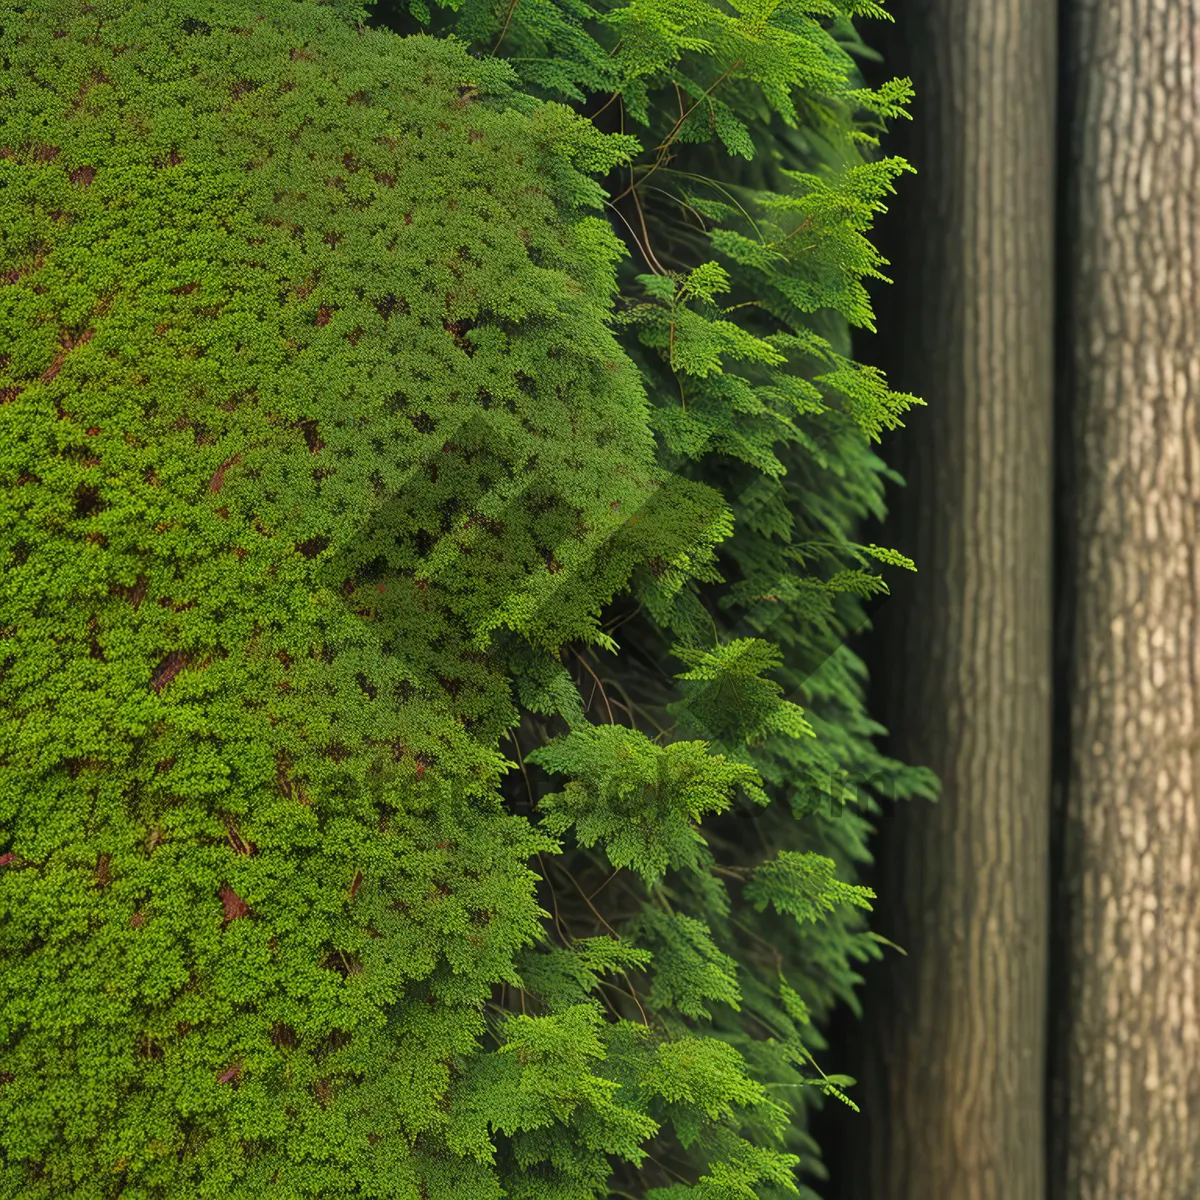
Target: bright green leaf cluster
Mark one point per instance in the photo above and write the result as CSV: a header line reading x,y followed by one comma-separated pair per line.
x,y
313,437
643,801
746,213
325,467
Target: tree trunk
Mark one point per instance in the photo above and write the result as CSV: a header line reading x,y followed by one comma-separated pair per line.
x,y
1126,1085
952,1068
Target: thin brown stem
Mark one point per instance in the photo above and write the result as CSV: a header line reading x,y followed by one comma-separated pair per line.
x,y
650,255
605,884
512,733
512,8
558,923
595,911
665,144
603,693
631,994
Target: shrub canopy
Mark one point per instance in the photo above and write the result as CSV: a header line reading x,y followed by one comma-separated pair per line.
x,y
308,404
326,464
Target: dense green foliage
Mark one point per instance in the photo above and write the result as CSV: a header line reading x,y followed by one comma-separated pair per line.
x,y
325,468
745,215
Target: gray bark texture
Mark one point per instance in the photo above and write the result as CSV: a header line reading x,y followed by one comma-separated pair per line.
x,y
1126,1081
952,1068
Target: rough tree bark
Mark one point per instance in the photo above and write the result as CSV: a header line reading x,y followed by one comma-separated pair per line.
x,y
1126,1083
953,1076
